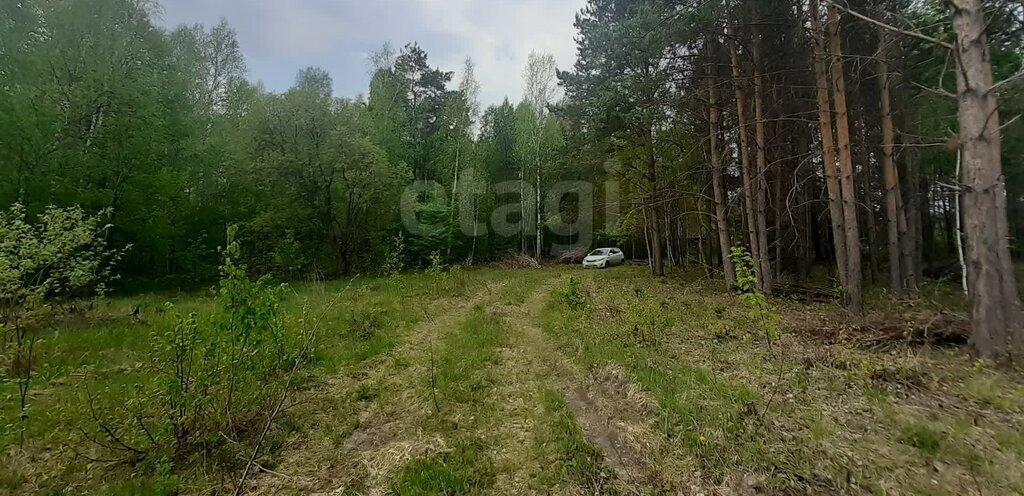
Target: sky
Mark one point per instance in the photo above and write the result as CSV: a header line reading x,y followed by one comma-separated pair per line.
x,y
279,37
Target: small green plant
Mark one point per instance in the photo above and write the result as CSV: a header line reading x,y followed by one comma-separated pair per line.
x,y
250,334
922,437
760,311
394,260
437,264
572,294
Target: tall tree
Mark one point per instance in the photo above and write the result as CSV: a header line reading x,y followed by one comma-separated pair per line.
x,y
539,78
854,277
995,304
717,183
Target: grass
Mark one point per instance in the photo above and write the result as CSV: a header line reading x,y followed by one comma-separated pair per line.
x,y
577,459
705,405
466,469
108,354
461,379
798,422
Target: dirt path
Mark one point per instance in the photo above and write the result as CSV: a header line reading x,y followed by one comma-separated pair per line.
x,y
388,433
614,415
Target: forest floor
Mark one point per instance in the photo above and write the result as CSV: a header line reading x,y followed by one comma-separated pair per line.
x,y
494,381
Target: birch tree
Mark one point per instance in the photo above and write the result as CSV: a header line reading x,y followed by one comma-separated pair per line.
x,y
539,82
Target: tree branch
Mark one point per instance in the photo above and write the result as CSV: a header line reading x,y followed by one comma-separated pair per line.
x,y
912,34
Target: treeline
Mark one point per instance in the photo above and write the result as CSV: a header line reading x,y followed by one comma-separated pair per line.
x,y
817,134
102,109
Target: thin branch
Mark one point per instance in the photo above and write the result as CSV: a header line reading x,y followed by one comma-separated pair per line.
x,y
1000,84
1009,122
936,91
912,34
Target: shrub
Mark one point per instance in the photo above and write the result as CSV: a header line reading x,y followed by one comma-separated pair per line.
x,y
394,260
218,375
62,256
572,294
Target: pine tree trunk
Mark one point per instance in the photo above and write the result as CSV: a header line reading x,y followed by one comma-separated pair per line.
x,y
912,244
896,219
862,156
658,264
744,151
854,276
721,215
828,147
995,305
762,176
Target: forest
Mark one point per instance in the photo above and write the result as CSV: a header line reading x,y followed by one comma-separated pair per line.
x,y
209,287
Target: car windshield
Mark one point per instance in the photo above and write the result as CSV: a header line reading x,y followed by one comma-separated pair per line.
x,y
599,253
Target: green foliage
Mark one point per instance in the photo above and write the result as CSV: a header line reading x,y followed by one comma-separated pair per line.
x,y
216,374
746,274
394,261
437,264
251,341
760,311
62,256
572,295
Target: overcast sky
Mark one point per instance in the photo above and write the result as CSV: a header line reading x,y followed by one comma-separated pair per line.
x,y
279,37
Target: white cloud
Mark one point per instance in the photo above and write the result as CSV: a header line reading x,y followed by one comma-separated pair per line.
x,y
280,37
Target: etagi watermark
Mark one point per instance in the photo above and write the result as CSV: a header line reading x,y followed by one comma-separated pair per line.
x,y
567,210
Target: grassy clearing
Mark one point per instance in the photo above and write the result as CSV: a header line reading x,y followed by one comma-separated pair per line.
x,y
535,378
799,416
107,353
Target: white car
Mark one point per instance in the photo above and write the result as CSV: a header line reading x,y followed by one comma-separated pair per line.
x,y
604,257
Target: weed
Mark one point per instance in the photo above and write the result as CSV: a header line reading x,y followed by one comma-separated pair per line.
x,y
394,261
572,294
922,437
760,312
366,323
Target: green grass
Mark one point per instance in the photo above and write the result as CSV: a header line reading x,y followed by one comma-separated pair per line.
x,y
694,403
922,437
108,354
726,404
466,469
576,458
463,358
461,381
804,418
